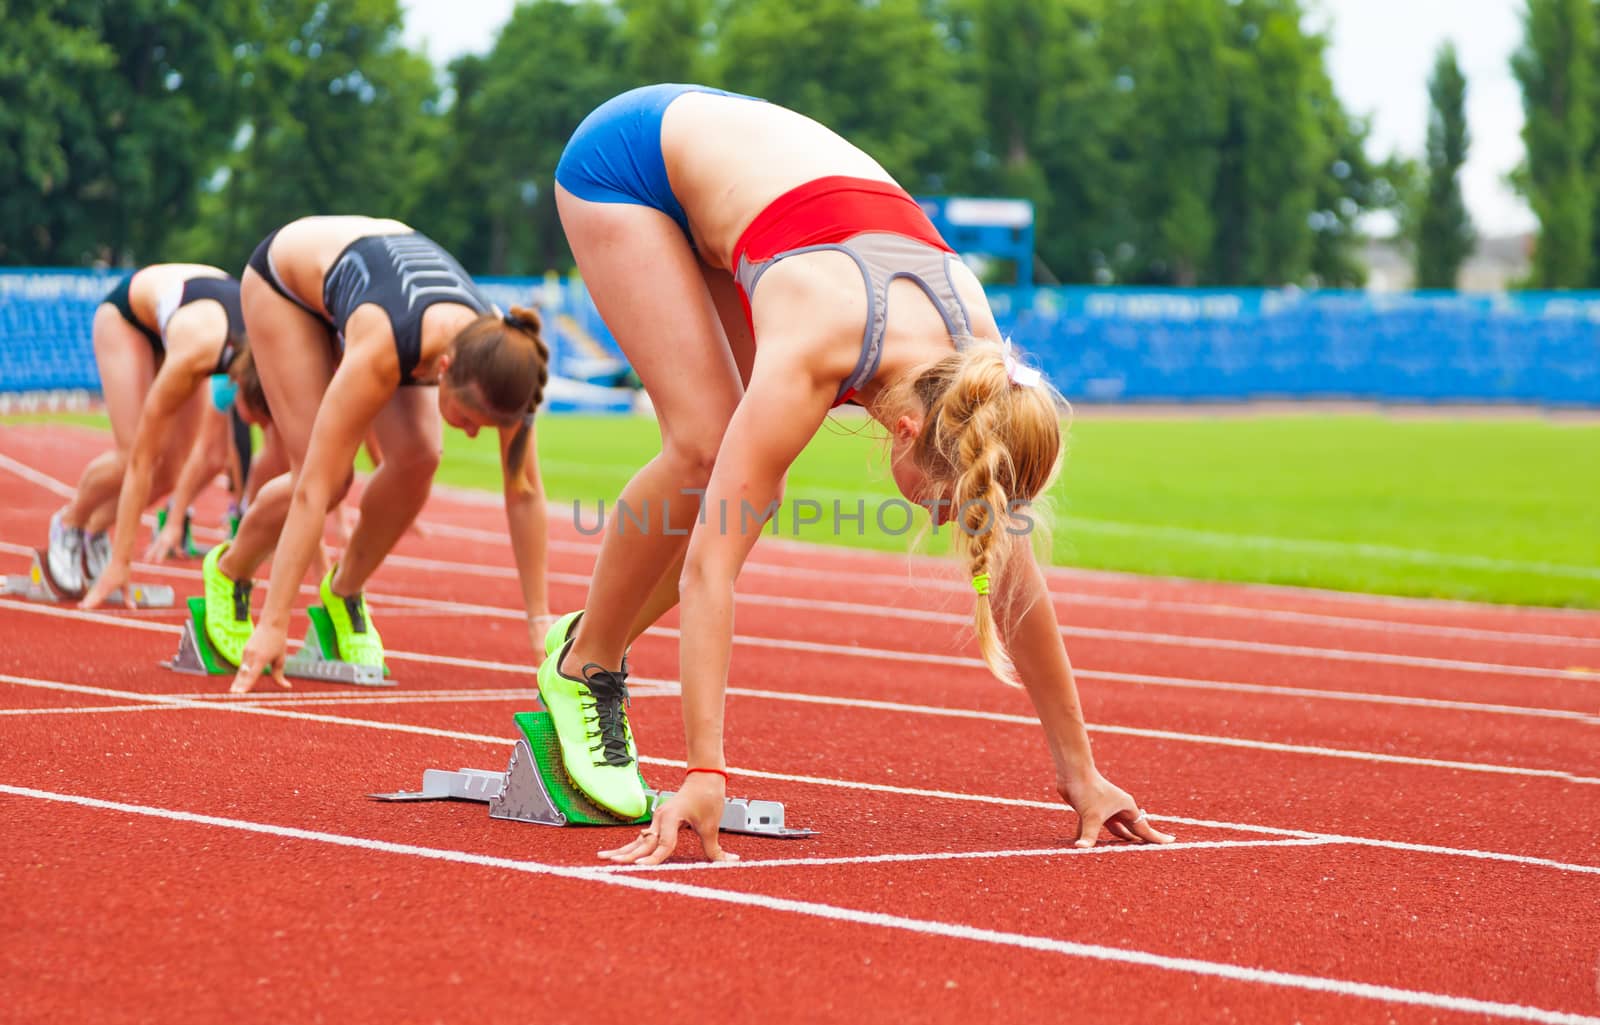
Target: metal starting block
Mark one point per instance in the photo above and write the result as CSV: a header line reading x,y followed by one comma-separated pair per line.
x,y
535,788
37,586
312,662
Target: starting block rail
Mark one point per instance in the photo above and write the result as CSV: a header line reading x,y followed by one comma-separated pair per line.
x,y
37,586
312,662
534,788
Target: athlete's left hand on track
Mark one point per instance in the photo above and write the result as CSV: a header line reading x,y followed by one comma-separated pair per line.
x,y
263,653
698,804
114,576
1099,802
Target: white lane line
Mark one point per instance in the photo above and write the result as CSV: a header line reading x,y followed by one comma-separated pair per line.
x,y
58,488
1066,575
1081,632
494,612
948,795
895,859
903,708
669,686
833,912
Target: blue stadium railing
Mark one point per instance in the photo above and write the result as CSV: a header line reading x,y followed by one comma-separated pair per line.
x,y
1128,345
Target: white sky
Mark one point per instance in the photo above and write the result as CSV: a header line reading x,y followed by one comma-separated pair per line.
x,y
1380,57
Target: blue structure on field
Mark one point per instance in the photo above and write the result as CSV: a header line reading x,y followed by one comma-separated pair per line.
x,y
1096,344
993,229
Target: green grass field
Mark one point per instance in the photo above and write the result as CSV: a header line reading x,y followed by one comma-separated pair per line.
x,y
1503,510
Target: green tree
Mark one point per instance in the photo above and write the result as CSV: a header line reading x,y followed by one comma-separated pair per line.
x,y
515,108
1555,67
339,119
667,40
1170,57
112,114
1051,115
1273,148
878,72
1444,235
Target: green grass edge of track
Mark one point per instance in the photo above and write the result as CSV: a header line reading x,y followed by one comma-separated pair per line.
x,y
1483,509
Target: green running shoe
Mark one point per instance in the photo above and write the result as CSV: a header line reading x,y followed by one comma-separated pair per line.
x,y
353,631
560,632
591,721
228,622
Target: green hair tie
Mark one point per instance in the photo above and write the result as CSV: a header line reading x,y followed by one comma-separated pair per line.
x,y
980,583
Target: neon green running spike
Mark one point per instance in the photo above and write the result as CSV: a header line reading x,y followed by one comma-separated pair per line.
x,y
591,720
559,631
353,632
228,623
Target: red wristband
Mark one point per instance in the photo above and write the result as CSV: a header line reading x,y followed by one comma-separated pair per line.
x,y
719,772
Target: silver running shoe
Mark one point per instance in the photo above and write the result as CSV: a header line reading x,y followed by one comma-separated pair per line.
x,y
96,554
64,559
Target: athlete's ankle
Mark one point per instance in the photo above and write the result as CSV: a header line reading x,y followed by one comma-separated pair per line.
x,y
341,584
573,664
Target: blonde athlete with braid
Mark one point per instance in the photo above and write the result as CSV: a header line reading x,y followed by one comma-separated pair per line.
x,y
758,270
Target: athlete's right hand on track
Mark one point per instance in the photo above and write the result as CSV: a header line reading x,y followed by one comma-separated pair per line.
x,y
1099,802
263,653
113,577
698,804
165,542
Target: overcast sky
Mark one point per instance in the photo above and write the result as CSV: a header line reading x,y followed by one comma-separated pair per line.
x,y
1381,53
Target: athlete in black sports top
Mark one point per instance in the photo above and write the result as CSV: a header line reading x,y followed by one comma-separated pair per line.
x,y
402,274
342,312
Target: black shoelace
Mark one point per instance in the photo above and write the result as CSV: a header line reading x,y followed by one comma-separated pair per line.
x,y
609,691
356,609
241,599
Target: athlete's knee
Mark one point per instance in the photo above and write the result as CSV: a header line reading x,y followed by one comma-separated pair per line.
x,y
691,459
417,463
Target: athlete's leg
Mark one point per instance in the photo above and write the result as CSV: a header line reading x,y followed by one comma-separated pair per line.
x,y
730,313
292,353
127,366
647,284
411,436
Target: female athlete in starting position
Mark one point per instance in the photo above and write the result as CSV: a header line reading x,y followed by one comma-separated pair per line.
x,y
347,315
158,337
703,223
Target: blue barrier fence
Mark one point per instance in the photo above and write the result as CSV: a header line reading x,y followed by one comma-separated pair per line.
x,y
1095,344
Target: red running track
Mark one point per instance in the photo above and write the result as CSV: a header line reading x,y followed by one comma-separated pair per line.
x,y
1387,810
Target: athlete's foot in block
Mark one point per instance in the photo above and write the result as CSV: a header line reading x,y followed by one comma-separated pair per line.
x,y
228,622
597,749
96,554
353,630
64,558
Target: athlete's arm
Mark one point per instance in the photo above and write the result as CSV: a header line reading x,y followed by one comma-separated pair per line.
x,y
208,456
526,523
1027,621
188,362
363,382
781,410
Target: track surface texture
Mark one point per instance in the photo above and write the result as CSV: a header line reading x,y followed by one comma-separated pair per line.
x,y
1387,810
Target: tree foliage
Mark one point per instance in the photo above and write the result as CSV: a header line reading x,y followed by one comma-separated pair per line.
x,y
1444,234
1556,68
1180,142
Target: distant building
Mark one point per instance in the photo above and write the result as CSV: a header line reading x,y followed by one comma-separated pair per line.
x,y
1497,265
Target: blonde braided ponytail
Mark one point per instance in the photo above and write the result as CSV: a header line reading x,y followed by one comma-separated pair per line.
x,y
989,443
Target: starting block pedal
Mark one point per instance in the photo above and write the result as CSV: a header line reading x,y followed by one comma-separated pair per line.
x,y
535,788
195,653
312,662
318,658
38,586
